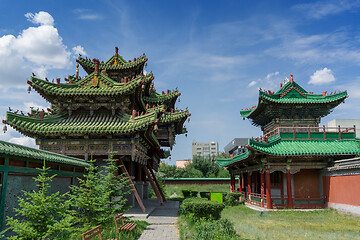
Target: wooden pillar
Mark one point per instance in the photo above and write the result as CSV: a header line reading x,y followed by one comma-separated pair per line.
x,y
136,194
282,187
262,181
268,189
156,182
232,182
288,185
240,183
249,185
153,185
3,192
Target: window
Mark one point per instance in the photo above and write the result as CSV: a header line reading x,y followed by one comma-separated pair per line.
x,y
198,149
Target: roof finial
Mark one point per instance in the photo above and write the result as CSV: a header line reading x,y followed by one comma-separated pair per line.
x,y
77,70
291,78
97,63
116,51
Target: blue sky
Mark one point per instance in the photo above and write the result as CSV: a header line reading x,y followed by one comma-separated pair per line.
x,y
218,53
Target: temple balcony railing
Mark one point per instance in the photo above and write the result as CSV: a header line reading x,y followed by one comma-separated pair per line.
x,y
299,201
310,133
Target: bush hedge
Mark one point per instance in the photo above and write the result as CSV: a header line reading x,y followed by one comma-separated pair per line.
x,y
232,199
205,195
189,193
202,208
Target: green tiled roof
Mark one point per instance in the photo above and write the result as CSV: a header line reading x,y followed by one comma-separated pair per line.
x,y
280,147
222,162
292,93
160,98
89,65
84,87
82,123
297,148
27,152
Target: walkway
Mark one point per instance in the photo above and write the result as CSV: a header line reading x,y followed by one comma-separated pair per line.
x,y
162,219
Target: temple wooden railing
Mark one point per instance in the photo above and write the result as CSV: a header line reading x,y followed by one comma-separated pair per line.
x,y
310,133
299,201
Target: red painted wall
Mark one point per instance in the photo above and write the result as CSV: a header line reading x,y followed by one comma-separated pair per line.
x,y
306,182
342,189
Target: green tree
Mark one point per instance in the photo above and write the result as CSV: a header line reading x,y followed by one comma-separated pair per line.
x,y
167,171
43,215
205,164
116,186
90,198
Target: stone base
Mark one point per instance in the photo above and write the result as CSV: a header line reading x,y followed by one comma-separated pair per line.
x,y
345,208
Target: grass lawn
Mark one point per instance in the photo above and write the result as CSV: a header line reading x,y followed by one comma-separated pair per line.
x,y
171,189
323,224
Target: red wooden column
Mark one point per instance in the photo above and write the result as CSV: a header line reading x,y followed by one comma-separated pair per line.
x,y
249,185
262,180
282,187
268,189
288,185
240,184
232,182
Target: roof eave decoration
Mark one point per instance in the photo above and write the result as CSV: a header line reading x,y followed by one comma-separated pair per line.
x,y
298,96
49,90
27,152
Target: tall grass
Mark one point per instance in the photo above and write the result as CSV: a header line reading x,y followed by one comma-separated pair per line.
x,y
322,224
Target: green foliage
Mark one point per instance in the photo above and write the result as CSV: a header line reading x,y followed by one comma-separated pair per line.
x,y
232,199
206,165
199,167
188,172
221,229
90,198
42,215
189,193
167,171
202,208
205,195
223,173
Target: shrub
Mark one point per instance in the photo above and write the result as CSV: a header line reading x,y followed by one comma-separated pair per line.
x,y
202,208
221,229
205,195
186,193
189,193
232,199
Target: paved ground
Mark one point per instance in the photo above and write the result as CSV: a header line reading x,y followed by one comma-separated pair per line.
x,y
162,220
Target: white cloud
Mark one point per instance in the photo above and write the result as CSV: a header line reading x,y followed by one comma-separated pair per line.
x,y
271,75
322,76
252,83
41,18
25,141
79,50
35,49
322,9
86,14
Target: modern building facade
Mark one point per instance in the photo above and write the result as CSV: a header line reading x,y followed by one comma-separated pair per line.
x,y
205,149
345,123
236,146
285,167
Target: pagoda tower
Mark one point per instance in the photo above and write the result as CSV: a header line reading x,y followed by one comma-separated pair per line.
x,y
285,167
115,110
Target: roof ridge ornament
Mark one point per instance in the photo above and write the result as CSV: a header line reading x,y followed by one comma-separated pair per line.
x,y
291,78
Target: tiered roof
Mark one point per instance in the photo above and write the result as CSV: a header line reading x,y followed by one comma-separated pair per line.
x,y
283,103
94,105
301,142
